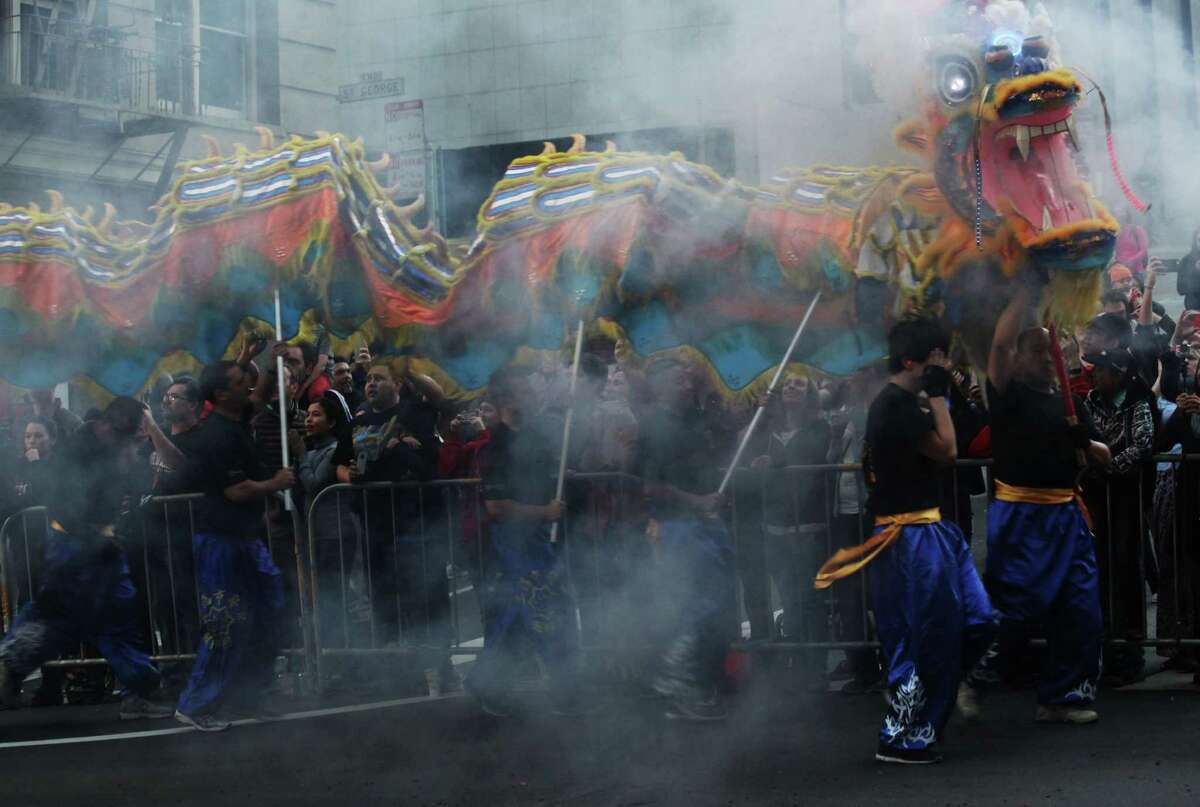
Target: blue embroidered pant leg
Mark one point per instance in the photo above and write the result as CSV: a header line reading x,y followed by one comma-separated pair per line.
x,y
85,595
1042,570
927,596
527,608
241,604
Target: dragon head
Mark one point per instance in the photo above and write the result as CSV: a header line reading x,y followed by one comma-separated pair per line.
x,y
998,131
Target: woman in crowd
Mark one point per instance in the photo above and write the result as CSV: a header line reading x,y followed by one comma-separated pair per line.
x,y
327,430
34,471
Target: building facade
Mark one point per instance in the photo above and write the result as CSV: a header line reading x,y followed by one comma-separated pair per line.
x,y
100,99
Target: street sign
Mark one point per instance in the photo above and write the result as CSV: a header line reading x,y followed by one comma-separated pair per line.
x,y
369,90
404,127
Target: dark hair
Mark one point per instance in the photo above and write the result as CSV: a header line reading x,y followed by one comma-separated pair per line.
x,y
1114,296
337,414
191,389
91,414
214,378
1024,336
46,423
593,367
124,415
309,351
502,386
1113,326
913,340
340,360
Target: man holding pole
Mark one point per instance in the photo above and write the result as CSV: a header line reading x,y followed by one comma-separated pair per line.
x,y
696,582
523,591
931,610
241,595
1041,563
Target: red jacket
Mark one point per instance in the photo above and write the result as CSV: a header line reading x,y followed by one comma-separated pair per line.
x,y
459,460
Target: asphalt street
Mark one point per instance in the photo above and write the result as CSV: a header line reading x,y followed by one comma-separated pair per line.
x,y
774,750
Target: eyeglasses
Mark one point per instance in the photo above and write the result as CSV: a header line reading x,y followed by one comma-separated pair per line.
x,y
171,397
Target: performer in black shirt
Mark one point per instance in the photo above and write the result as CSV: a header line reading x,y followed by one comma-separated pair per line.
x,y
931,611
241,594
1041,563
524,593
85,592
697,580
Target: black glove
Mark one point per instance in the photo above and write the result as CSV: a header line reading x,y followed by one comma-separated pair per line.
x,y
1080,436
936,381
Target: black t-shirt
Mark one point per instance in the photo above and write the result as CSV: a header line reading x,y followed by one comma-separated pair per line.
x,y
900,478
1030,438
224,455
93,480
372,432
517,466
177,480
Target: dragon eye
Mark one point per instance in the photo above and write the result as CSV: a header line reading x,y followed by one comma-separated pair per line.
x,y
957,80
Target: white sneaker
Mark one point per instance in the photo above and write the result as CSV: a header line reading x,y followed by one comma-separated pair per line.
x,y
433,682
968,702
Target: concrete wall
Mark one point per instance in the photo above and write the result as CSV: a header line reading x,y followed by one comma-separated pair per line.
x,y
506,71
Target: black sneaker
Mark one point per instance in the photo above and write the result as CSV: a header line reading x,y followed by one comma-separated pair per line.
x,y
494,705
10,688
861,686
567,707
907,756
209,723
136,707
705,711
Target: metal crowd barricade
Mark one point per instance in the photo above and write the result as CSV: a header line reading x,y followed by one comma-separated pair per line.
x,y
1129,549
438,526
166,580
396,524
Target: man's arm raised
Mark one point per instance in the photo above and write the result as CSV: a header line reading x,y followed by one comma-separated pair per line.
x,y
1004,341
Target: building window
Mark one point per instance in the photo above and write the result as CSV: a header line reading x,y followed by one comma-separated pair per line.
x,y
223,50
205,56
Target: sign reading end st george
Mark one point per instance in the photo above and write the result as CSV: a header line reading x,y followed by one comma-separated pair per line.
x,y
367,90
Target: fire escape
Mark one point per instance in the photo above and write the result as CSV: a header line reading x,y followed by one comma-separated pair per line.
x,y
62,75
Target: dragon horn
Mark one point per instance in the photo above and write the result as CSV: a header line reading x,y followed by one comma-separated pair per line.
x,y
578,142
548,148
56,201
412,208
214,148
266,138
378,165
110,215
86,215
610,147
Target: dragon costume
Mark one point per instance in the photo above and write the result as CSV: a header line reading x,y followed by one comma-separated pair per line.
x,y
656,248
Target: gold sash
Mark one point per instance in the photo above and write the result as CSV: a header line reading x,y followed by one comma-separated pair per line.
x,y
846,562
1019,495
